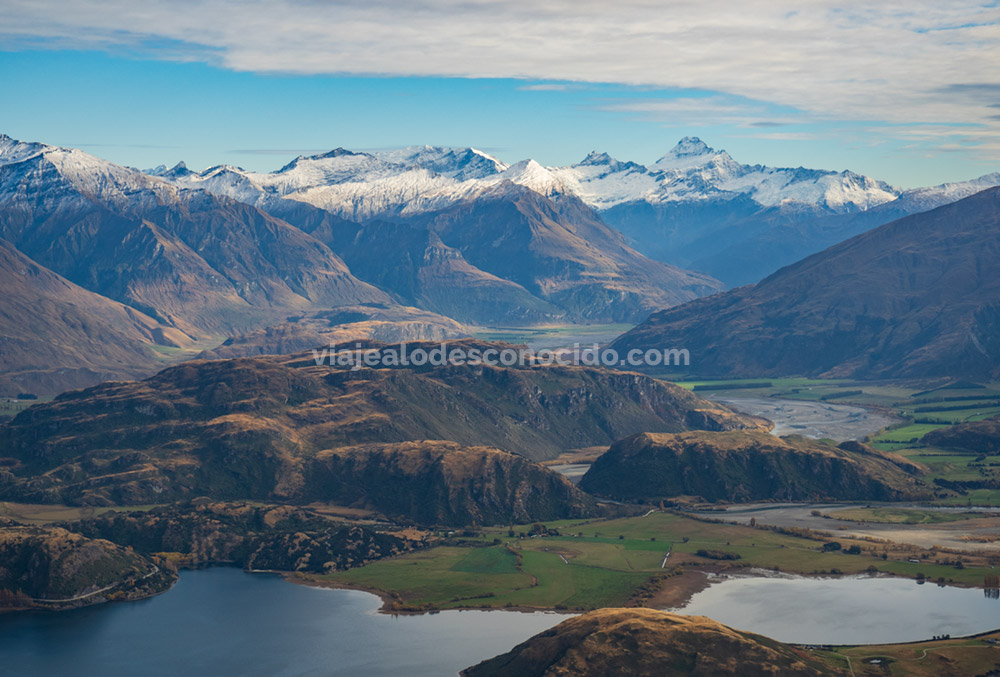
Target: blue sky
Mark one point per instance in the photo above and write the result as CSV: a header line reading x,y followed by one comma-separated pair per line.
x,y
156,86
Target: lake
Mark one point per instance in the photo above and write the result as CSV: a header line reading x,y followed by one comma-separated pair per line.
x,y
845,610
225,621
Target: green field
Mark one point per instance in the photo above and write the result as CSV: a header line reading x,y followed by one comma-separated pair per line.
x,y
889,515
972,656
12,407
602,563
780,387
907,434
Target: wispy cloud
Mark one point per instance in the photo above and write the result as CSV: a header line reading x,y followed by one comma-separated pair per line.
x,y
120,145
278,151
687,111
979,142
782,136
899,61
551,87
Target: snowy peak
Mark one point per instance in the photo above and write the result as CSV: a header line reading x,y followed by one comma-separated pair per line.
x,y
363,185
12,150
693,153
458,163
694,171
177,171
336,152
594,159
530,174
690,146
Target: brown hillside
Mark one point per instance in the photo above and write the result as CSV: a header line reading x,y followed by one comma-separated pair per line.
x,y
643,642
741,466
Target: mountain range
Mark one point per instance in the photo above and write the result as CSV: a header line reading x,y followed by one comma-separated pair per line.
x,y
507,236
695,207
139,270
199,258
698,208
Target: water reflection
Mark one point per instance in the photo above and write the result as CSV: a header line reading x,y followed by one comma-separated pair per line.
x,y
847,610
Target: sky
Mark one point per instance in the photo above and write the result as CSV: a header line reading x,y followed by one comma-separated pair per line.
x,y
908,92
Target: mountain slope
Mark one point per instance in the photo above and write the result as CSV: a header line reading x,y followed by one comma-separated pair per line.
x,y
196,261
560,251
482,242
744,466
917,297
445,483
55,335
694,207
780,236
640,642
417,268
254,536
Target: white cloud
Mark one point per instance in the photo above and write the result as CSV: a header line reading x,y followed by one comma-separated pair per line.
x,y
783,136
896,61
693,111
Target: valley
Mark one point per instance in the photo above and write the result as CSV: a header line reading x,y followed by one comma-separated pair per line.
x,y
217,412
500,339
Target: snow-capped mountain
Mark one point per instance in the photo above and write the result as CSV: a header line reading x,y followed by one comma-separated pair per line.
x,y
457,163
695,207
422,187
73,169
196,261
923,199
425,178
692,171
12,150
221,251
361,186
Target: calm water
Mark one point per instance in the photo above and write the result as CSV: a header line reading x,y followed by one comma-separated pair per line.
x,y
848,610
223,621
